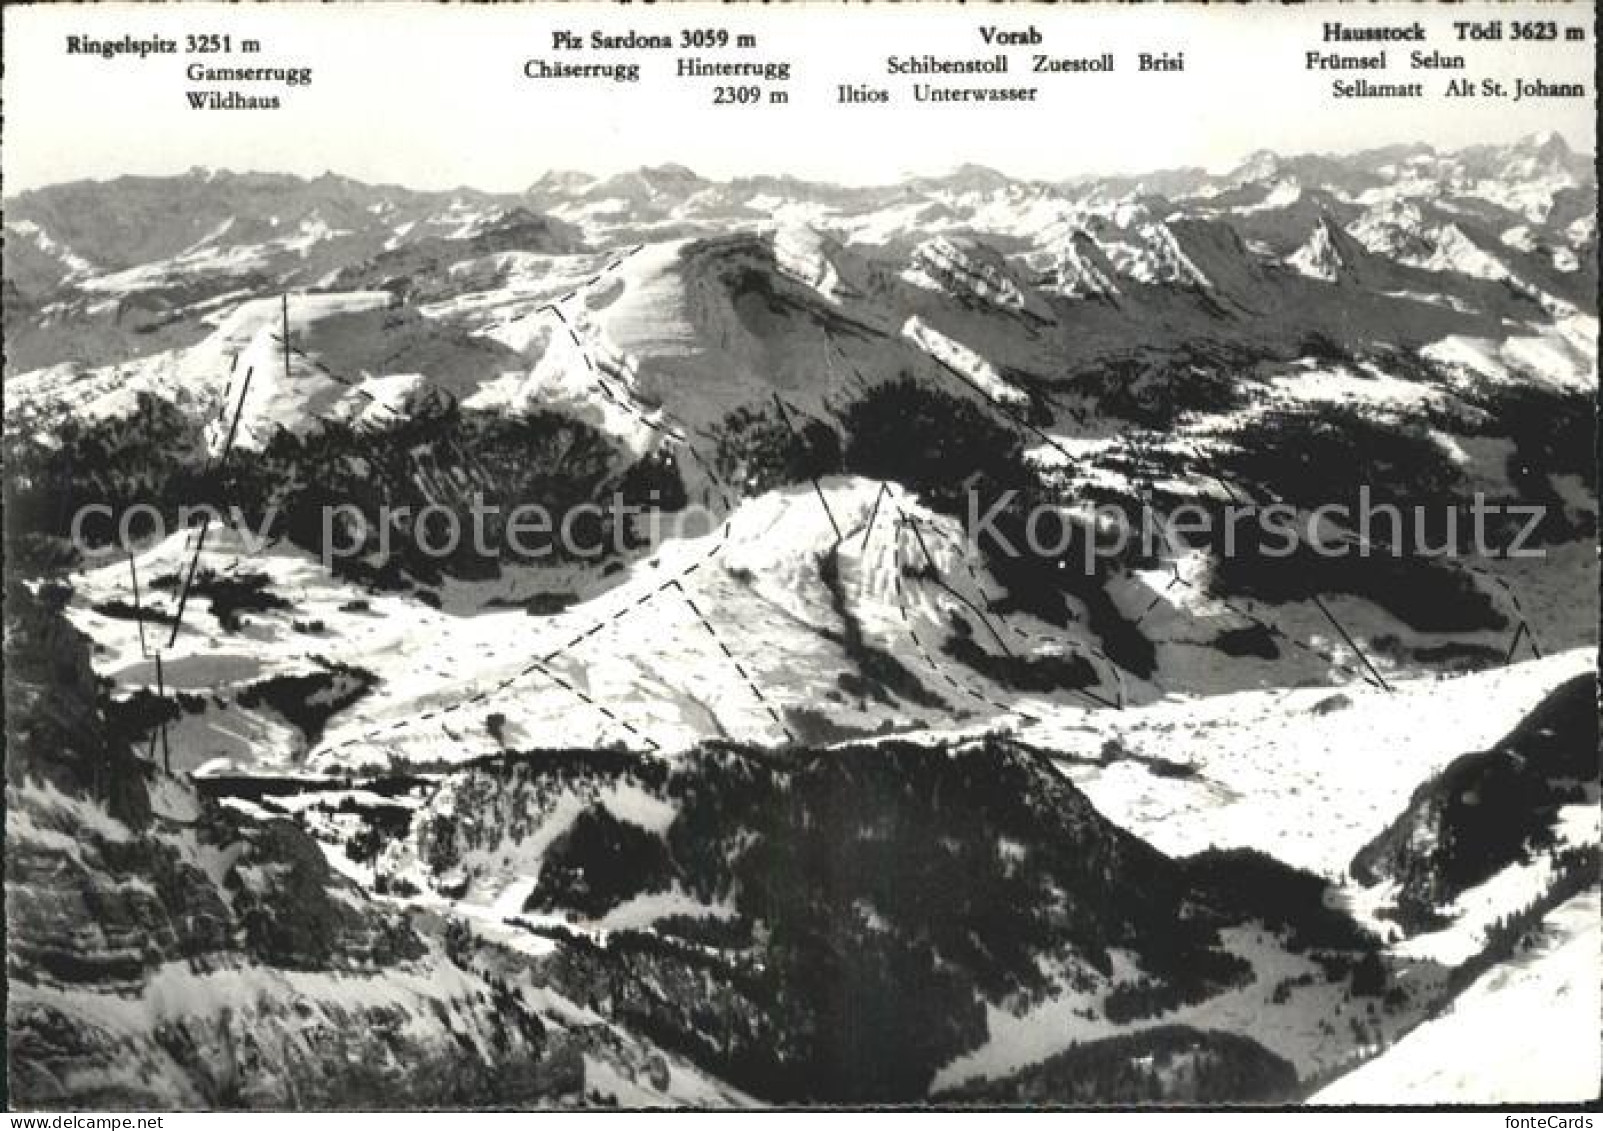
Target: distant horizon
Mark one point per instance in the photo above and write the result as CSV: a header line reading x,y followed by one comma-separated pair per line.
x,y
434,97
1222,169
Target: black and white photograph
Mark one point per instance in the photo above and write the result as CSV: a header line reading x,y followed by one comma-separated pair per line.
x,y
705,556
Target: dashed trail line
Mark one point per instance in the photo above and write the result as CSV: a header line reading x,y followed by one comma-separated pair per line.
x,y
1024,634
735,661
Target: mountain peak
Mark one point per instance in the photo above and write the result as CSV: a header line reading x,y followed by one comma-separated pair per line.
x,y
1330,253
1545,143
971,171
970,177
1259,165
561,180
668,172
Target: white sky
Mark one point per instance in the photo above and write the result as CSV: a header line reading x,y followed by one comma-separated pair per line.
x,y
434,96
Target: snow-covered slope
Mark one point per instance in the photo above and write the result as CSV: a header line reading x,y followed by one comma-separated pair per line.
x,y
1523,1033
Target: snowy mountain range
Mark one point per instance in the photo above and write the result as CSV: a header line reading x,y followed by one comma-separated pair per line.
x,y
833,795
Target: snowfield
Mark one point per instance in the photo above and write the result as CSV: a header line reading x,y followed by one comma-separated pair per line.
x,y
1525,1032
1307,775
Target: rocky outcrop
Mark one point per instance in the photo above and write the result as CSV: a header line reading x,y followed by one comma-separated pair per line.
x,y
972,272
55,733
166,952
